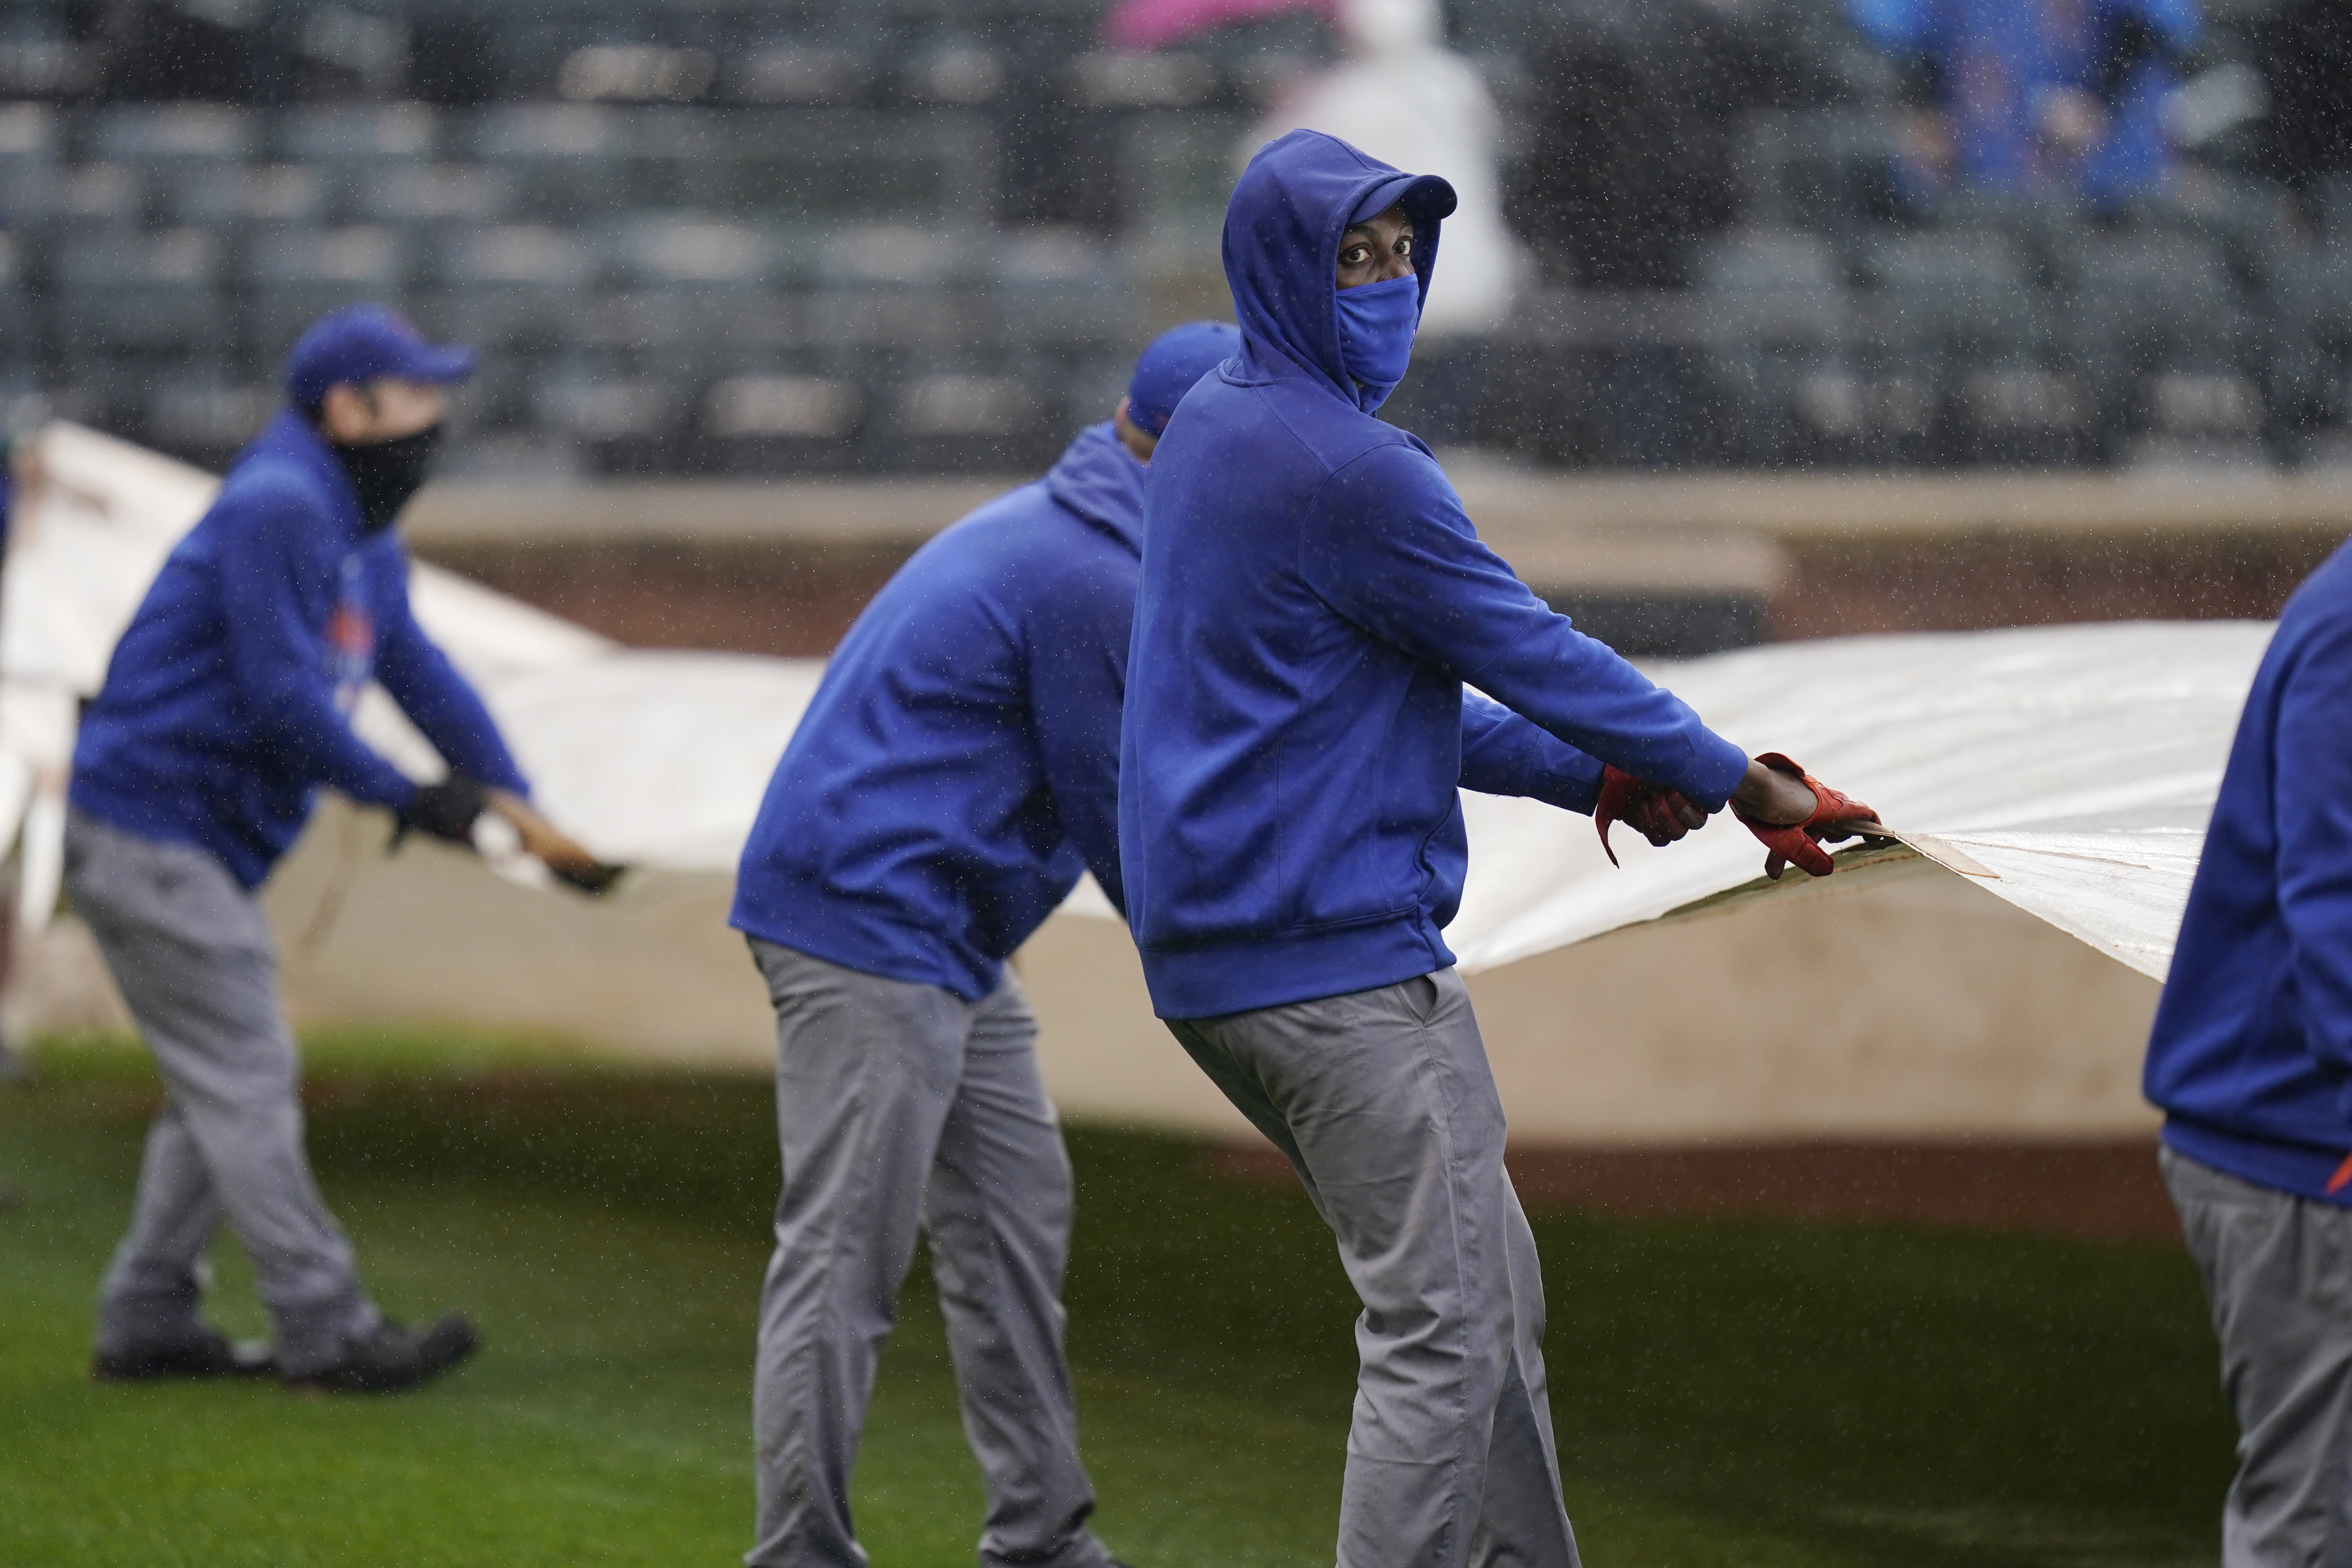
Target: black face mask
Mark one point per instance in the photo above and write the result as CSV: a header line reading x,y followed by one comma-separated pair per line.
x,y
387,473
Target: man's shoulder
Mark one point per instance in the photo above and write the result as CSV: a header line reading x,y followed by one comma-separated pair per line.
x,y
1027,528
979,568
1343,437
1289,422
267,487
2324,601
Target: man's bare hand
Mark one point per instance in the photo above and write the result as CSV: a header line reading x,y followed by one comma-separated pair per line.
x,y
1772,796
561,854
1788,837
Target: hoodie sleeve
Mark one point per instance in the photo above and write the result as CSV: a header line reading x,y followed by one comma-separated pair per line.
x,y
441,702
280,661
1078,679
1387,546
2312,798
1502,753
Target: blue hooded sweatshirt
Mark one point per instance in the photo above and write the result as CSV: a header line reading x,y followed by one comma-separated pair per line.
x,y
229,699
1313,601
902,836
2251,1058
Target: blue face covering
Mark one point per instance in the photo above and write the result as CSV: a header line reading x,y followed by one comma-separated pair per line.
x,y
1377,322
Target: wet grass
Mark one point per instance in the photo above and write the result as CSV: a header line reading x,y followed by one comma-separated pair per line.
x,y
1726,1392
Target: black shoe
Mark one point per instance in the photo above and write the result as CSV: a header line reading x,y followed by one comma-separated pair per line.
x,y
208,1353
393,1358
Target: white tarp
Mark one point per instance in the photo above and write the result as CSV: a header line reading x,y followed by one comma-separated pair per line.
x,y
2079,762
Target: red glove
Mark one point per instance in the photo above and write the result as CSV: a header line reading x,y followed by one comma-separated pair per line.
x,y
1649,807
1835,817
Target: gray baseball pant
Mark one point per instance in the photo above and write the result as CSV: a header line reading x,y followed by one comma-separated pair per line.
x,y
2278,1275
1384,1102
192,953
902,1108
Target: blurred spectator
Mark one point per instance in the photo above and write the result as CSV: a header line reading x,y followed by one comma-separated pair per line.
x,y
2064,93
1633,136
1406,98
2308,64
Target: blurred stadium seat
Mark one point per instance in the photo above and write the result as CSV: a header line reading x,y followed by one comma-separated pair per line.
x,y
142,296
514,285
237,199
294,277
927,235
20,337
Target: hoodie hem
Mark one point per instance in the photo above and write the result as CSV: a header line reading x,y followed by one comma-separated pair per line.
x,y
2298,1168
837,943
1275,969
138,818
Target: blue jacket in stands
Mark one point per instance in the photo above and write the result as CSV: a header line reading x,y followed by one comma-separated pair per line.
x,y
959,767
1999,59
229,699
2251,1058
1313,602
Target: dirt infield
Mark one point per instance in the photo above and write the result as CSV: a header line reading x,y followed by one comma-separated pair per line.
x,y
2106,1191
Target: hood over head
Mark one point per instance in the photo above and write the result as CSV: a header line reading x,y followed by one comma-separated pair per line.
x,y
1281,243
1099,480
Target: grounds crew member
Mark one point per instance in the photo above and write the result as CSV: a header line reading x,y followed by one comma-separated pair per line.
x,y
954,775
2251,1060
226,706
1313,604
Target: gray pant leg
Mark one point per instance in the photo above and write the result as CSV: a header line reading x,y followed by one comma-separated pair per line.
x,y
2278,1275
1522,1515
872,1101
190,951
866,1069
156,1282
1384,1103
998,1215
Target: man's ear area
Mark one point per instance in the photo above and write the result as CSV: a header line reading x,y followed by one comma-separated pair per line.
x,y
1140,443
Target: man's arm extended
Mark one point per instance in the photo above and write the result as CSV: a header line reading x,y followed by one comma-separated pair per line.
x,y
1390,549
1503,753
1077,681
442,704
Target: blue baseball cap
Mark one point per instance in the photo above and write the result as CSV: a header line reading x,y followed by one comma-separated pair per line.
x,y
1166,370
359,343
1426,197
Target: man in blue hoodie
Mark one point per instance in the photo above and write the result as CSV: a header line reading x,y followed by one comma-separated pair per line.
x,y
1313,605
2251,1060
955,773
226,706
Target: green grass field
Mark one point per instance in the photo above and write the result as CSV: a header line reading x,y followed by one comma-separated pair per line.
x,y
1726,1392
